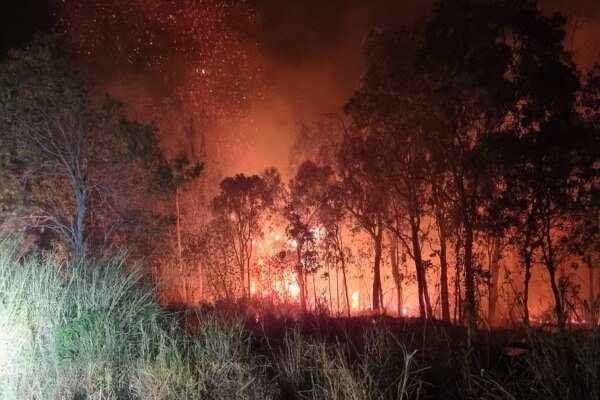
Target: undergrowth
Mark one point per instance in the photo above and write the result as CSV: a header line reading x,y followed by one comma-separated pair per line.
x,y
97,333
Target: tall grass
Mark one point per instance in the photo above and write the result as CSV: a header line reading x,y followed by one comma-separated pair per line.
x,y
96,333
314,369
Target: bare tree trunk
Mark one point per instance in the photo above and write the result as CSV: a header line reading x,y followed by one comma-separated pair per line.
x,y
329,288
178,229
558,307
494,266
457,283
249,280
592,292
527,261
441,225
444,278
300,278
347,295
424,303
314,291
81,200
470,306
396,271
377,239
550,261
337,290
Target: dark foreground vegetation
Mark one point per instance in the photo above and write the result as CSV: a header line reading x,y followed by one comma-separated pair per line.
x,y
96,333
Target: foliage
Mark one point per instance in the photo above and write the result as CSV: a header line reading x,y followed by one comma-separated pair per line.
x,y
69,154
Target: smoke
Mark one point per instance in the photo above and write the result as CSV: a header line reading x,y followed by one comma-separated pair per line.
x,y
228,81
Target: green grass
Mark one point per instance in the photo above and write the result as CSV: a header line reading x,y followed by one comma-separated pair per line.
x,y
97,333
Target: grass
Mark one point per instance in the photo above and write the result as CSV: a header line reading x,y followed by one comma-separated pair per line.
x,y
97,333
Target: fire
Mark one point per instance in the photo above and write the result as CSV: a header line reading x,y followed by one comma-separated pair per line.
x,y
355,299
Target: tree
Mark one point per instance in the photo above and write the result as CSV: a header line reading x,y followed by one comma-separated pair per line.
x,y
304,245
365,196
315,194
550,156
182,174
222,282
241,206
60,134
385,108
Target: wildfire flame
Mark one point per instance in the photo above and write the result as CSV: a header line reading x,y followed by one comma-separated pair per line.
x,y
355,299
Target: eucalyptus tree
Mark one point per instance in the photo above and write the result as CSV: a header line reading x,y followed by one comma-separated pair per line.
x,y
388,109
66,146
365,196
242,205
315,193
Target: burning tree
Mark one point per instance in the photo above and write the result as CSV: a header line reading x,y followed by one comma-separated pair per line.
x,y
241,207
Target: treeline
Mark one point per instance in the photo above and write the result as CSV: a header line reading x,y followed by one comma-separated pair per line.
x,y
477,131
477,127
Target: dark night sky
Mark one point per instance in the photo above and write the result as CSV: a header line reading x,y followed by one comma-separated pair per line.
x,y
308,53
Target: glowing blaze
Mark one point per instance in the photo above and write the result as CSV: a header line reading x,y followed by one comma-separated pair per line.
x,y
404,312
355,299
293,288
287,287
252,289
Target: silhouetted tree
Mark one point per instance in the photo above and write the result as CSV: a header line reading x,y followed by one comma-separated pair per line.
x,y
365,196
241,206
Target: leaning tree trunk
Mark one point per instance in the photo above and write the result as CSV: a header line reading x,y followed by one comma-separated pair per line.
x,y
345,279
550,261
527,261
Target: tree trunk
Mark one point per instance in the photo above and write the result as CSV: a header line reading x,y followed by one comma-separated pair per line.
x,y
560,315
394,261
337,290
441,225
457,283
314,284
444,278
550,261
347,295
249,280
330,306
300,278
527,261
377,239
425,310
178,229
81,200
494,266
470,305
592,292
